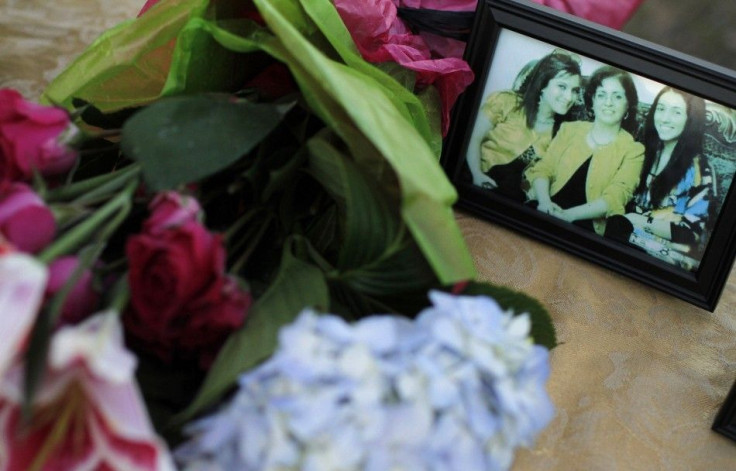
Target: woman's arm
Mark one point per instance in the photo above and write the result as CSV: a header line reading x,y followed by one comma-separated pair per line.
x,y
541,194
691,209
473,159
653,225
591,210
493,110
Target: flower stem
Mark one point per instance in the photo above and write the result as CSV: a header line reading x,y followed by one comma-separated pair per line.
x,y
90,229
119,294
38,345
105,133
84,230
254,240
240,223
94,185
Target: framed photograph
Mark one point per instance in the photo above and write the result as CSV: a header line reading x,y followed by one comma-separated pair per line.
x,y
599,143
725,421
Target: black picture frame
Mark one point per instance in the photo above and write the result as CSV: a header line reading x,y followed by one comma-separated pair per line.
x,y
498,19
725,421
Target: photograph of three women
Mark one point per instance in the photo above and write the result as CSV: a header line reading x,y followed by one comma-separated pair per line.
x,y
598,147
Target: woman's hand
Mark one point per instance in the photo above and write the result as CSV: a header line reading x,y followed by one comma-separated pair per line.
x,y
549,207
652,225
484,181
540,187
637,220
565,214
592,210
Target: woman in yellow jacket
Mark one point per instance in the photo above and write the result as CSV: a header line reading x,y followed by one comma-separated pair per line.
x,y
590,169
522,123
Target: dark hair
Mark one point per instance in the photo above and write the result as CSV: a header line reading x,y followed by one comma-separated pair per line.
x,y
546,68
632,98
689,144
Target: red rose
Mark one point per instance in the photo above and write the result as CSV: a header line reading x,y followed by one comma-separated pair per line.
x,y
170,270
181,299
30,138
214,318
25,220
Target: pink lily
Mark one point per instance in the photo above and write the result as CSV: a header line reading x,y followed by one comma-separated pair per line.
x,y
22,285
88,413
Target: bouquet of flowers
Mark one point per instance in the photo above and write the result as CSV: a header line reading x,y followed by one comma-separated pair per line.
x,y
197,188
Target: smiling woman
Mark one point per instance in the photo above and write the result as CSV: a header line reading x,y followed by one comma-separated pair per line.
x,y
672,205
523,121
590,169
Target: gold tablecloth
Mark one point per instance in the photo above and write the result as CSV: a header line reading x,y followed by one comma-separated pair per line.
x,y
639,375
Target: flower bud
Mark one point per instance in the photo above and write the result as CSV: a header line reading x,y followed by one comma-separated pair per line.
x,y
25,221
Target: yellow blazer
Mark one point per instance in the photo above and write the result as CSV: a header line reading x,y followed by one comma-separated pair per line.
x,y
509,136
613,173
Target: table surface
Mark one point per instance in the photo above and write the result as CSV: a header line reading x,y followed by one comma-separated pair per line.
x,y
639,375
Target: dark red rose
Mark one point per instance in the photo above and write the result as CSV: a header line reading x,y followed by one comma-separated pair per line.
x,y
182,302
30,138
171,269
214,318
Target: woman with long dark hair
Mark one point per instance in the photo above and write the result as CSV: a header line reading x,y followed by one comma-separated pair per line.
x,y
669,211
523,122
591,169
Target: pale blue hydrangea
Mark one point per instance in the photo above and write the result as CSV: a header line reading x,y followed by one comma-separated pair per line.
x,y
459,388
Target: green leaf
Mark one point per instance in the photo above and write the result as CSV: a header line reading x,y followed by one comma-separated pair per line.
x,y
128,64
543,330
400,268
383,135
166,389
361,112
298,285
378,259
200,64
184,139
371,224
397,80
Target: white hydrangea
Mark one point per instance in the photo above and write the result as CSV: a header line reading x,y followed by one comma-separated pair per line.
x,y
459,388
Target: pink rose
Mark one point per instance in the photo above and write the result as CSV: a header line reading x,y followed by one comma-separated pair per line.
x,y
30,138
171,209
25,220
181,299
82,299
